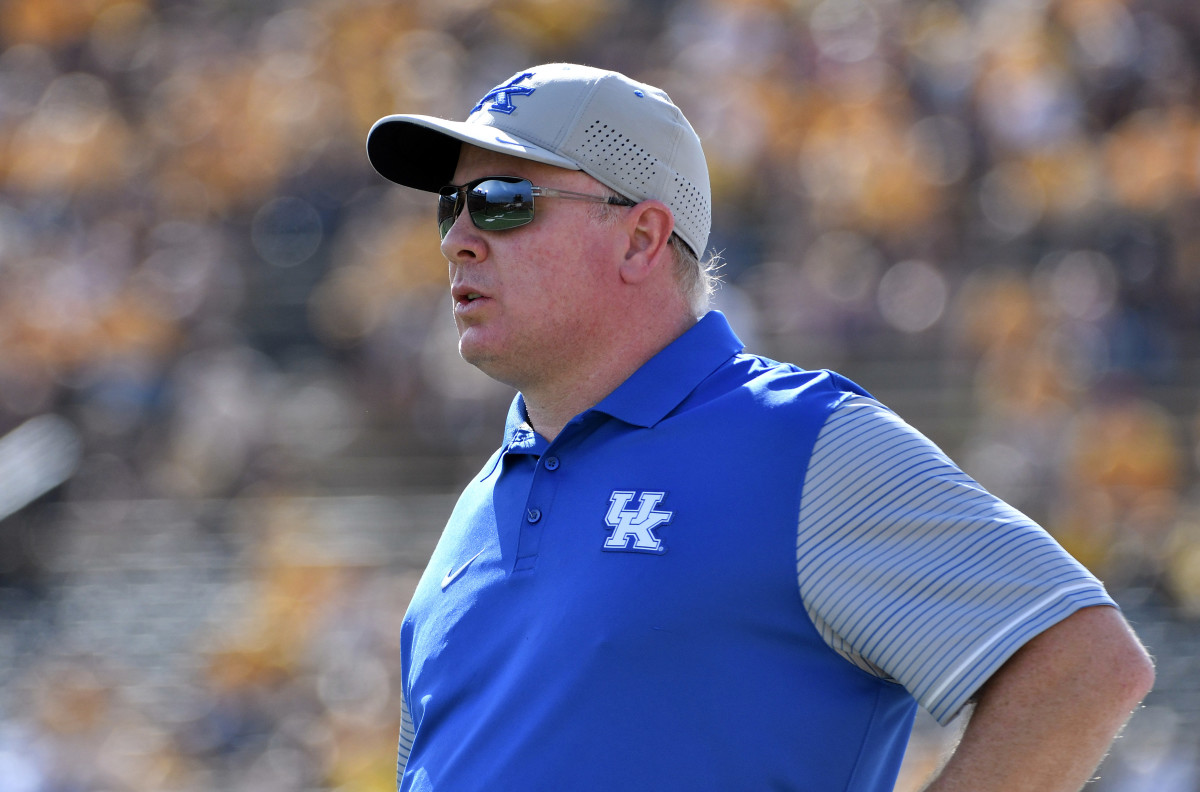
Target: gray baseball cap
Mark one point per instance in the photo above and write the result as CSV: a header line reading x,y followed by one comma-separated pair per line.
x,y
627,135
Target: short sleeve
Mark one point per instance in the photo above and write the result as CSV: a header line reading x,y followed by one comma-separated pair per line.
x,y
404,747
913,571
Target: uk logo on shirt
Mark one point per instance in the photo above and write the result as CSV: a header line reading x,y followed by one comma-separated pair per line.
x,y
633,528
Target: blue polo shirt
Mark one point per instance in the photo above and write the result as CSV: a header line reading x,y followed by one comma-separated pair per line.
x,y
731,573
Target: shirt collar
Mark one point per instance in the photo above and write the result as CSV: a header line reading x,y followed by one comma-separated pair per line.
x,y
659,386
517,430
666,379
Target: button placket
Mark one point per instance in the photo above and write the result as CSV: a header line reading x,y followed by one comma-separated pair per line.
x,y
540,499
538,502
533,514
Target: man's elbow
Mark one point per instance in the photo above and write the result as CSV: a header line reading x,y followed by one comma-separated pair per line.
x,y
1132,674
1096,656
1116,661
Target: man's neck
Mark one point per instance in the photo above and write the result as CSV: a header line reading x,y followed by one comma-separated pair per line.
x,y
550,406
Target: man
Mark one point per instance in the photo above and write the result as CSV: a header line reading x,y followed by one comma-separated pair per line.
x,y
688,567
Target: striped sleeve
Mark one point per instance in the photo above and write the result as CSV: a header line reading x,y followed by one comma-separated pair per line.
x,y
407,732
912,571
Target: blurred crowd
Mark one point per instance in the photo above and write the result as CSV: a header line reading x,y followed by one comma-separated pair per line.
x,y
207,295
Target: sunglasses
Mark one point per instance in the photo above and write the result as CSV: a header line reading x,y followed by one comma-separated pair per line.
x,y
498,203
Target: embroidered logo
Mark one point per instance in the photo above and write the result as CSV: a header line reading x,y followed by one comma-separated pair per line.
x,y
501,96
633,530
454,574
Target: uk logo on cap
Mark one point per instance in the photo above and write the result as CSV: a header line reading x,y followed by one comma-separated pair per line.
x,y
501,96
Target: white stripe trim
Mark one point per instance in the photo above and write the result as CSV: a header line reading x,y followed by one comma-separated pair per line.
x,y
914,609
1003,632
407,735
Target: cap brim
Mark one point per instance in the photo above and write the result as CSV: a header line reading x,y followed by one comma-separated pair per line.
x,y
422,151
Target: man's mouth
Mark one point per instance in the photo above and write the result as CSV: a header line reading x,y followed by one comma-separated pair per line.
x,y
466,296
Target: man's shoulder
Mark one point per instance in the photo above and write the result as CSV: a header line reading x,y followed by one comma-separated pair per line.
x,y
774,384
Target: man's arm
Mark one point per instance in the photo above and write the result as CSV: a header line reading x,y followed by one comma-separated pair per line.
x,y
1046,718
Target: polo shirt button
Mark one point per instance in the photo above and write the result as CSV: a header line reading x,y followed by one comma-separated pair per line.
x,y
551,463
533,515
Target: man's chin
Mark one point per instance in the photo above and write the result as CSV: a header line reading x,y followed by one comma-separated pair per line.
x,y
470,346
487,359
474,349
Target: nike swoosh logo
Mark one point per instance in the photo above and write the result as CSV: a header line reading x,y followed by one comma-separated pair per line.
x,y
454,574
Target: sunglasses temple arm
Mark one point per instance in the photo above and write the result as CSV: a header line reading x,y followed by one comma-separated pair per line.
x,y
613,200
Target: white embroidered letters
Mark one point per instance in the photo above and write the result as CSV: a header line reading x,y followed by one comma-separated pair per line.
x,y
633,529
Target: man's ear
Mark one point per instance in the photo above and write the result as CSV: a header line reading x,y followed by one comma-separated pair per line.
x,y
649,226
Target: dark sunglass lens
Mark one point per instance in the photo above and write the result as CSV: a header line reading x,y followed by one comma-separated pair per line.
x,y
446,212
500,205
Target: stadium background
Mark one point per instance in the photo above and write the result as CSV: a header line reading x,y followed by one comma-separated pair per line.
x,y
233,418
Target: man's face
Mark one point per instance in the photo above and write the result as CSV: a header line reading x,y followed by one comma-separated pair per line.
x,y
530,303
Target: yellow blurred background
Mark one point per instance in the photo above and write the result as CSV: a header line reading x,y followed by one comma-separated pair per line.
x,y
232,419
